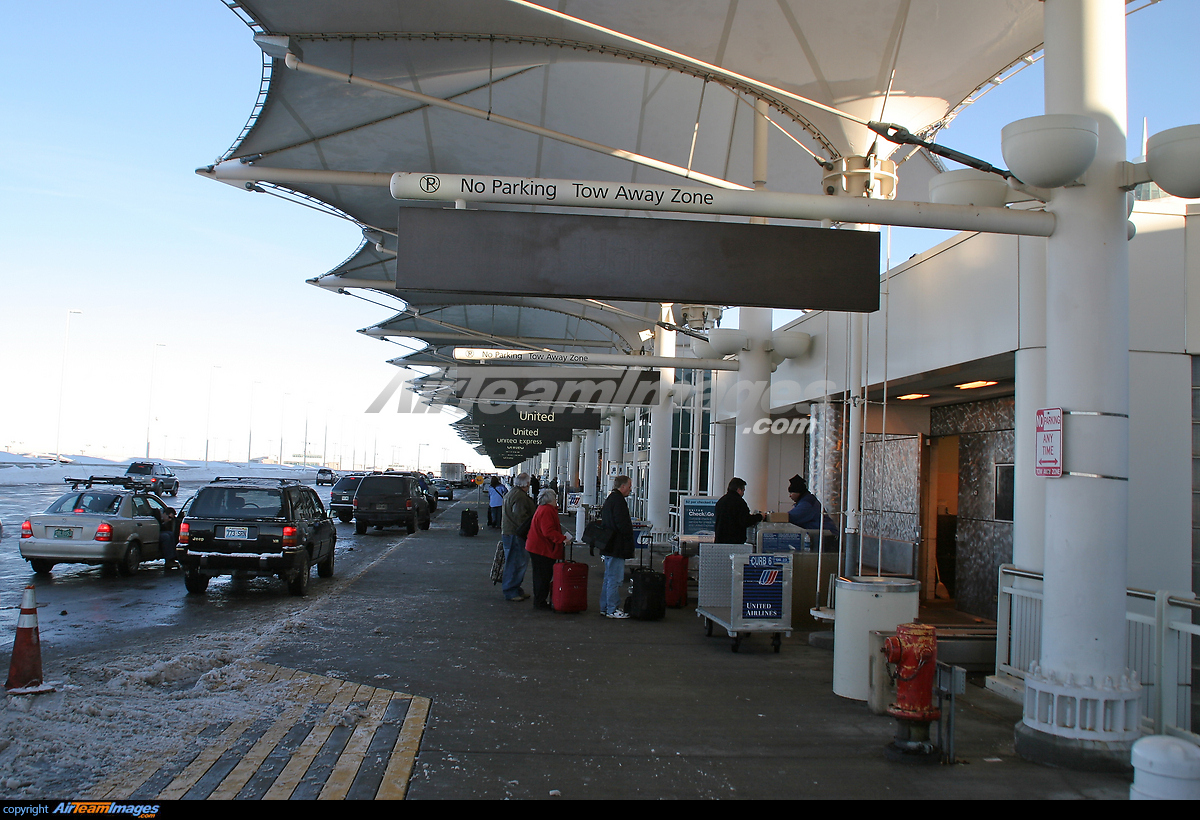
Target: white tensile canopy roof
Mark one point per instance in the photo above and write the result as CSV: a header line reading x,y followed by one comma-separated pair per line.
x,y
671,80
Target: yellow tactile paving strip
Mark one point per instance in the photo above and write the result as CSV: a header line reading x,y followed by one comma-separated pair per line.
x,y
306,753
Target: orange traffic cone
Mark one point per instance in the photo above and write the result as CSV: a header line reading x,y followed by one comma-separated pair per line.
x,y
25,673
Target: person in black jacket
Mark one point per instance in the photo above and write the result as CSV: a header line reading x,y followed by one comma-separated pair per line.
x,y
614,515
733,515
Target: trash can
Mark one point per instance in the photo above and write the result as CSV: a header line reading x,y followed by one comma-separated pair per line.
x,y
864,604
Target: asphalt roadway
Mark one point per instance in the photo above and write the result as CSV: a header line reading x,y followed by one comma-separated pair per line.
x,y
528,704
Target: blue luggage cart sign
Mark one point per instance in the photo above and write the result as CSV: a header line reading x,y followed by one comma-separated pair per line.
x,y
762,587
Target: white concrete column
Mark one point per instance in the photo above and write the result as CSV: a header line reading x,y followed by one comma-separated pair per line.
x,y
718,475
591,467
1082,669
616,438
564,453
751,450
750,454
857,410
1029,491
573,461
658,498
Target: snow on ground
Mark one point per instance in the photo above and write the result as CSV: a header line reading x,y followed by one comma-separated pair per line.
x,y
112,716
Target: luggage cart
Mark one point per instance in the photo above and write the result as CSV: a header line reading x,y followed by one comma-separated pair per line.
x,y
744,592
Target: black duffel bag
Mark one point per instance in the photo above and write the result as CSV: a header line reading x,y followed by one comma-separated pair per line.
x,y
597,536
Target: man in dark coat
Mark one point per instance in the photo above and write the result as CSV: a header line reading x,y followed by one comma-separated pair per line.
x,y
614,515
733,515
807,512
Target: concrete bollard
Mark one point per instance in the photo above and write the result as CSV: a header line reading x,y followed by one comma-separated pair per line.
x,y
1165,768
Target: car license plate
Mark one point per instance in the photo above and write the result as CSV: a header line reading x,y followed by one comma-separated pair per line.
x,y
381,506
237,532
64,532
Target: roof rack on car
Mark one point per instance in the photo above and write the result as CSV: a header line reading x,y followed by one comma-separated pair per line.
x,y
128,482
268,479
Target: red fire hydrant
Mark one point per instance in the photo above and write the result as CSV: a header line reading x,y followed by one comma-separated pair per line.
x,y
913,652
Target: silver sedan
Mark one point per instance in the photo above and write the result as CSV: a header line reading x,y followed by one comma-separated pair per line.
x,y
110,526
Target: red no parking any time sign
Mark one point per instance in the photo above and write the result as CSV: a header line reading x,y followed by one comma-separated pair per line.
x,y
1048,461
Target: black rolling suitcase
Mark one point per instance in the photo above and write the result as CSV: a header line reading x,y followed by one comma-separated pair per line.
x,y
470,523
649,599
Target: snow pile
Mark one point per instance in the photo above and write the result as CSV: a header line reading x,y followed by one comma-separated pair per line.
x,y
113,717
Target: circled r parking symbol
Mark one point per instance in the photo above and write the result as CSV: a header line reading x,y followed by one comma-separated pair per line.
x,y
430,184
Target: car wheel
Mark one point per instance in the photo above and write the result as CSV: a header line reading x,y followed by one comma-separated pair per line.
x,y
196,583
345,518
425,524
41,566
410,526
175,491
298,585
132,559
325,568
360,527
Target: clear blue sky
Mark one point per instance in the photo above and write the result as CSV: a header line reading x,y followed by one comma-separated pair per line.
x,y
111,106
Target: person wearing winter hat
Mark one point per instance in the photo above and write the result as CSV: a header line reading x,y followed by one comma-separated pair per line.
x,y
806,512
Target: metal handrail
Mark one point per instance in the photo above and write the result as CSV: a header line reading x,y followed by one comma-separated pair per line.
x,y
1163,652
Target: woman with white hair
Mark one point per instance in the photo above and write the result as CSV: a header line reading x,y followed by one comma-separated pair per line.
x,y
545,546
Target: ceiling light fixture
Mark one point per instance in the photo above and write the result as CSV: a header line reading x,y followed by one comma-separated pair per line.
x,y
912,396
973,385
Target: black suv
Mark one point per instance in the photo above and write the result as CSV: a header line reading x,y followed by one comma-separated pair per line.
x,y
384,499
253,527
341,497
424,485
162,480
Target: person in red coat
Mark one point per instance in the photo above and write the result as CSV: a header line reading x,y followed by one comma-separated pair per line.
x,y
545,546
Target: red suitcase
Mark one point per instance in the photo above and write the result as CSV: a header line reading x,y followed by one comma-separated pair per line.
x,y
568,592
675,567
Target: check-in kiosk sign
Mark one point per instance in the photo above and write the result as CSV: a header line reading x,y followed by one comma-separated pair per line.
x,y
1048,462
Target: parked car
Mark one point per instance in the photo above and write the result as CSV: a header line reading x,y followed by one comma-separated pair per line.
x,y
341,497
443,488
389,499
108,521
423,482
162,479
256,527
326,476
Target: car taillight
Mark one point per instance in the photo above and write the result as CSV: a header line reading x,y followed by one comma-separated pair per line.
x,y
408,504
289,536
184,532
354,503
104,531
27,529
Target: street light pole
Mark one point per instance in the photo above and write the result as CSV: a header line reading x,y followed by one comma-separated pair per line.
x,y
305,456
62,382
208,415
250,433
282,408
419,446
150,403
